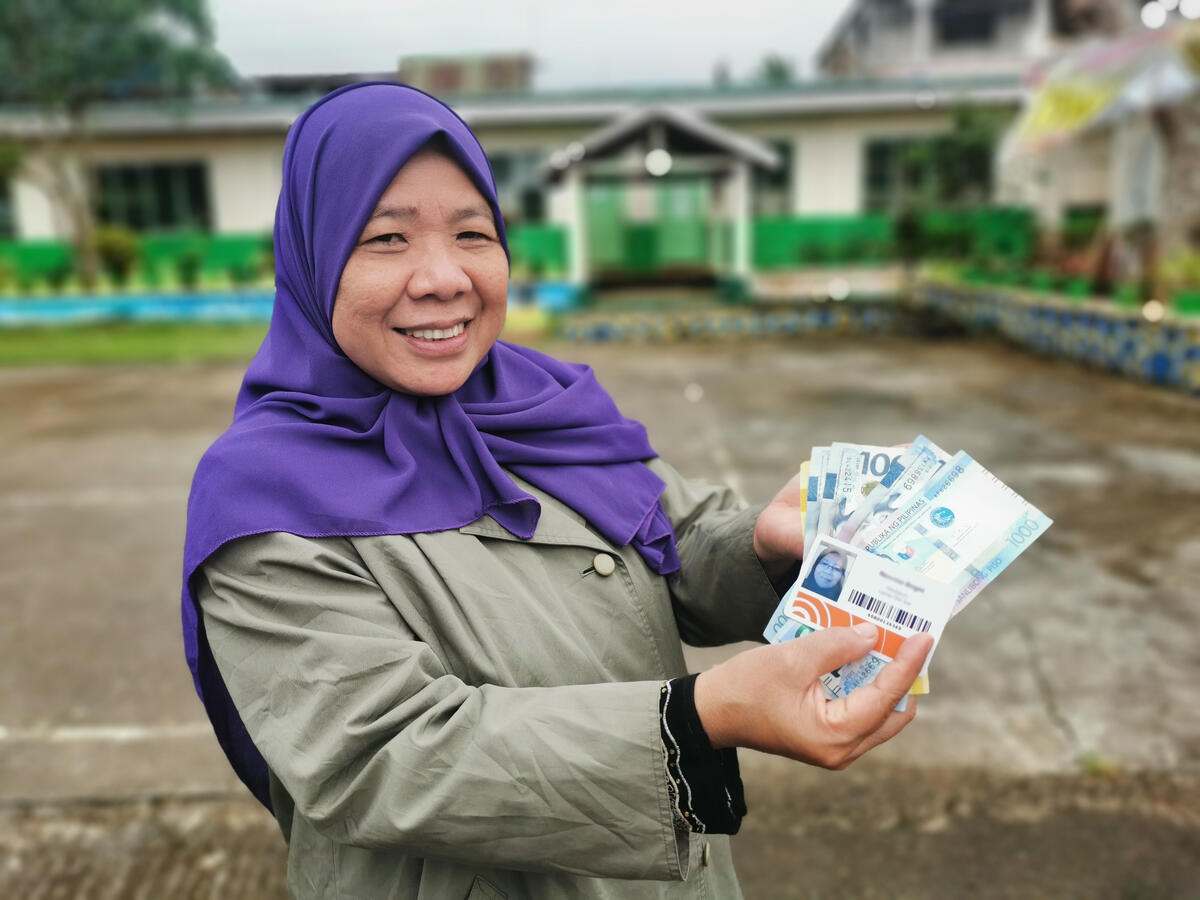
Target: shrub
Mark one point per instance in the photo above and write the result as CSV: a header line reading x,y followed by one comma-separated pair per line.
x,y
58,275
241,273
188,265
118,248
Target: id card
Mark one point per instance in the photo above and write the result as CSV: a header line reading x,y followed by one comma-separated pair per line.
x,y
841,585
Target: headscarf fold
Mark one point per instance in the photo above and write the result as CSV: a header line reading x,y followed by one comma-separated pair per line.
x,y
319,448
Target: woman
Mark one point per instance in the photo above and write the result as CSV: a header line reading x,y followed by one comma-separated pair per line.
x,y
435,584
825,577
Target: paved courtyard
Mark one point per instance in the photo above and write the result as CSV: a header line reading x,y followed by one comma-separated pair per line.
x,y
1059,755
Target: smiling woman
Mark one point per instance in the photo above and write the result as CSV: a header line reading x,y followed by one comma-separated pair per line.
x,y
435,584
422,297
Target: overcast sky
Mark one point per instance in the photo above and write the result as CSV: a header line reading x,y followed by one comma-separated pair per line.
x,y
575,42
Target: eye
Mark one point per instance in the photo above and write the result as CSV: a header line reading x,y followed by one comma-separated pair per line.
x,y
474,236
391,239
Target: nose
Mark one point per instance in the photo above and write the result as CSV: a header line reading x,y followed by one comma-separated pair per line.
x,y
438,275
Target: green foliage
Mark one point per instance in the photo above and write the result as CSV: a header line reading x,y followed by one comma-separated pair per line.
x,y
64,55
1181,271
1080,226
188,266
774,70
130,342
11,155
953,169
119,249
58,276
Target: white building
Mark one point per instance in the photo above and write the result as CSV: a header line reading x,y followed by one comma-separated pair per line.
x,y
216,164
891,72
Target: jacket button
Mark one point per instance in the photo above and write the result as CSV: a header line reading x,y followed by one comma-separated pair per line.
x,y
706,856
603,564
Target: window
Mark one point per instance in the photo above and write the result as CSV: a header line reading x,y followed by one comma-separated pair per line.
x,y
892,174
533,205
772,188
152,197
446,78
954,26
8,219
938,170
519,185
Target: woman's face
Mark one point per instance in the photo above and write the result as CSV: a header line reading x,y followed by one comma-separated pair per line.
x,y
828,570
423,295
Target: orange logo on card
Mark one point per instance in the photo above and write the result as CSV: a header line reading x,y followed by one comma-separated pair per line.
x,y
822,613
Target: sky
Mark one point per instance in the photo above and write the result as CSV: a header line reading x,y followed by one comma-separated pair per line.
x,y
575,43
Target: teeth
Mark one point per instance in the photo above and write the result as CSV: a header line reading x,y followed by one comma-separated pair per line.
x,y
435,334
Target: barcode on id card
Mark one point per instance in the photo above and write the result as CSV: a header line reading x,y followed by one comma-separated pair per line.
x,y
890,611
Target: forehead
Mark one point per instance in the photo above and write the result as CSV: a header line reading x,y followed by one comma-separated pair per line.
x,y
430,177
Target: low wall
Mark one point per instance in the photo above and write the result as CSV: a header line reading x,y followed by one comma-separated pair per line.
x,y
1097,334
829,317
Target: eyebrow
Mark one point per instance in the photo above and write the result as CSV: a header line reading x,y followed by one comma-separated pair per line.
x,y
409,213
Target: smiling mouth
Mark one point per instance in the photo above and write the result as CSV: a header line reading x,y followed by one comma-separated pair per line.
x,y
435,334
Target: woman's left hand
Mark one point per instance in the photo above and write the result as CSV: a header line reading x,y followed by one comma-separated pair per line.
x,y
779,531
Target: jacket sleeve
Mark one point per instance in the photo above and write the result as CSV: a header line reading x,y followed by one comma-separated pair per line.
x,y
380,746
722,594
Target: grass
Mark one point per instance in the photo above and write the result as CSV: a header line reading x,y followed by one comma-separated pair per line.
x,y
130,342
169,342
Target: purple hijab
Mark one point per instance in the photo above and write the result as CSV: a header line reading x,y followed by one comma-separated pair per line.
x,y
319,448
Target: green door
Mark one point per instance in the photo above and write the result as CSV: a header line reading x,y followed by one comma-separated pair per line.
x,y
605,225
682,222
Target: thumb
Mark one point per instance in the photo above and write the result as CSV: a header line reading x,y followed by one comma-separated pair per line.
x,y
826,650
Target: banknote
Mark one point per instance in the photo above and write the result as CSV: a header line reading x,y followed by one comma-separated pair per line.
x,y
816,478
857,469
954,519
904,477
840,585
804,467
1027,528
903,539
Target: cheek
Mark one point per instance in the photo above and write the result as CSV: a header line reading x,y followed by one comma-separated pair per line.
x,y
361,298
490,276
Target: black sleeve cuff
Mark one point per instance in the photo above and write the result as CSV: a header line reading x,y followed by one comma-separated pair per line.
x,y
704,783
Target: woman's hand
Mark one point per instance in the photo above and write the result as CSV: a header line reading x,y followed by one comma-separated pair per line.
x,y
771,699
779,531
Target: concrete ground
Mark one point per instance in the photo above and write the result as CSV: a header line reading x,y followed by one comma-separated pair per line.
x,y
1058,756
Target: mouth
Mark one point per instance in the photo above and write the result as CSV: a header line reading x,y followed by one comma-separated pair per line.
x,y
424,333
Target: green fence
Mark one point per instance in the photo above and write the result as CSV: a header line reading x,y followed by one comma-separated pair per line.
x,y
788,242
538,250
680,238
990,232
30,261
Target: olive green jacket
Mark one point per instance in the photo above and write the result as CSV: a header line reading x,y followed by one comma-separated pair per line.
x,y
467,714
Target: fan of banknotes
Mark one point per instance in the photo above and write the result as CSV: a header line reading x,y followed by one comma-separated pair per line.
x,y
903,538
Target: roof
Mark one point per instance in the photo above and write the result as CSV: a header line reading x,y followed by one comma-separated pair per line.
x,y
273,114
691,123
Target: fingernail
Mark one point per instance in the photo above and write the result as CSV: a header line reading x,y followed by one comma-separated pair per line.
x,y
865,629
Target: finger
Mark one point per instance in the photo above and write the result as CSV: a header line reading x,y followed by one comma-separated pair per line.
x,y
892,725
895,679
867,708
824,651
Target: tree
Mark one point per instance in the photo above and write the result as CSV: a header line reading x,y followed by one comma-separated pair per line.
x,y
63,57
953,169
774,70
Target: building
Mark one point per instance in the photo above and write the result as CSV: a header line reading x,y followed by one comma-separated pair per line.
x,y
940,38
591,162
808,149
